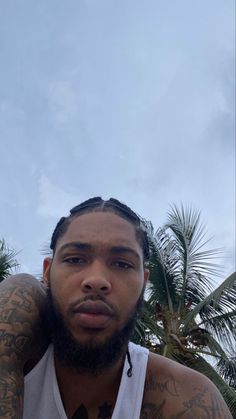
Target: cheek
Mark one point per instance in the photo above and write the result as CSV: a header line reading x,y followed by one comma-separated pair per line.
x,y
60,292
130,295
135,287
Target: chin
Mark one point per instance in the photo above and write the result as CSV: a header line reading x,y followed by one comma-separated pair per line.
x,y
89,349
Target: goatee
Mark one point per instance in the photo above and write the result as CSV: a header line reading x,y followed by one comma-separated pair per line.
x,y
91,357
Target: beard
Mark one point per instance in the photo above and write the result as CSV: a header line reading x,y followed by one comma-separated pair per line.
x,y
91,357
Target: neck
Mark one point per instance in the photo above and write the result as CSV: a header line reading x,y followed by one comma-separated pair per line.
x,y
88,388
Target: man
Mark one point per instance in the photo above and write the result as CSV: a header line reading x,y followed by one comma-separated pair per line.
x,y
95,281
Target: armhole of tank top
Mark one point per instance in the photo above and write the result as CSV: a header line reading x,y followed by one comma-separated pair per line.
x,y
30,374
121,390
124,378
56,393
140,388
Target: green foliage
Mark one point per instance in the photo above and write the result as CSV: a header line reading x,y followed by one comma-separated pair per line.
x,y
7,261
185,317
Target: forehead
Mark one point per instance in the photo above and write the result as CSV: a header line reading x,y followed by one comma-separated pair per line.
x,y
101,228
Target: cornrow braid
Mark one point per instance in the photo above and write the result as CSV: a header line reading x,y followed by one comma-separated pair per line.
x,y
56,232
90,203
111,205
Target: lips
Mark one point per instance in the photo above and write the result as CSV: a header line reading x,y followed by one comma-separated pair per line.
x,y
93,307
93,314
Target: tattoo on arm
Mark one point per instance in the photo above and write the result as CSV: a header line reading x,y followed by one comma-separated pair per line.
x,y
152,411
11,394
205,406
22,300
169,386
205,402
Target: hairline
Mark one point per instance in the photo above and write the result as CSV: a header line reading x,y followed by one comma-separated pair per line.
x,y
105,208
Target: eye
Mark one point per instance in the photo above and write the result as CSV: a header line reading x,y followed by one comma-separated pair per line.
x,y
121,264
75,260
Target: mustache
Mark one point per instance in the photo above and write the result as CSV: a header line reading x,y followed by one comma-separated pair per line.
x,y
91,297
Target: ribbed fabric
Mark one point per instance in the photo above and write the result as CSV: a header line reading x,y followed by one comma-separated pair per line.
x,y
42,398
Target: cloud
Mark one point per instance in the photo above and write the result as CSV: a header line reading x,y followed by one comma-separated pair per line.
x,y
54,201
9,111
221,130
62,101
121,100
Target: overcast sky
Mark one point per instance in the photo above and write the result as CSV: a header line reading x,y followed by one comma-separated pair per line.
x,y
128,98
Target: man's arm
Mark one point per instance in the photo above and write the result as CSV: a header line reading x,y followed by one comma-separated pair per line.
x,y
22,338
173,391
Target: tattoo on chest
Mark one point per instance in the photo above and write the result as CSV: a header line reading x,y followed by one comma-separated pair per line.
x,y
104,412
81,413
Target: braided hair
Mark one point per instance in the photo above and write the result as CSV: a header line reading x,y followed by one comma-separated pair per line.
x,y
97,204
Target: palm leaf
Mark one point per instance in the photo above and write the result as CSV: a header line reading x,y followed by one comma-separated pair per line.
x,y
162,285
192,320
194,267
218,302
7,260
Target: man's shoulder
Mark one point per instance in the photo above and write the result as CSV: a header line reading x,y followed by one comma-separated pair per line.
x,y
175,391
22,320
165,367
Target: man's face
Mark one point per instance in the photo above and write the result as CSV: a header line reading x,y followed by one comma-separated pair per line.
x,y
96,276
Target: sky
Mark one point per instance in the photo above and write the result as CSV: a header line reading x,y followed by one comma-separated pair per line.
x,y
130,99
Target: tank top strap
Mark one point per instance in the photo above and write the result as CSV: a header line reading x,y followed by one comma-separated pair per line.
x,y
130,395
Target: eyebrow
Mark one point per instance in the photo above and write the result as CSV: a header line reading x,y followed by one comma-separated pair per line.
x,y
116,250
76,245
124,249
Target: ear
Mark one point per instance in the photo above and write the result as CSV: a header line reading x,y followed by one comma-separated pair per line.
x,y
46,270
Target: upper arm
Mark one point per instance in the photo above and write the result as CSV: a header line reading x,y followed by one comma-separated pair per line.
x,y
173,391
22,337
201,398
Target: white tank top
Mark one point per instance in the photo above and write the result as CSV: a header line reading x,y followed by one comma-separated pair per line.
x,y
42,398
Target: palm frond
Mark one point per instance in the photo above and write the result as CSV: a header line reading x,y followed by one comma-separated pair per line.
x,y
191,319
193,264
226,363
226,367
224,320
218,302
162,264
7,260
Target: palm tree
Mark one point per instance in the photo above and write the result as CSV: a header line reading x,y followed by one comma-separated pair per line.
x,y
185,318
7,260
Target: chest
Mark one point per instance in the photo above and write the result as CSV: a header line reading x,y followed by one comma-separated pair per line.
x,y
91,404
43,399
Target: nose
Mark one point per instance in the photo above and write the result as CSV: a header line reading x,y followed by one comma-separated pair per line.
x,y
96,280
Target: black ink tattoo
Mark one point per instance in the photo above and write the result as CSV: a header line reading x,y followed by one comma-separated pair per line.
x,y
152,411
169,386
22,337
198,406
196,401
105,411
81,413
11,341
